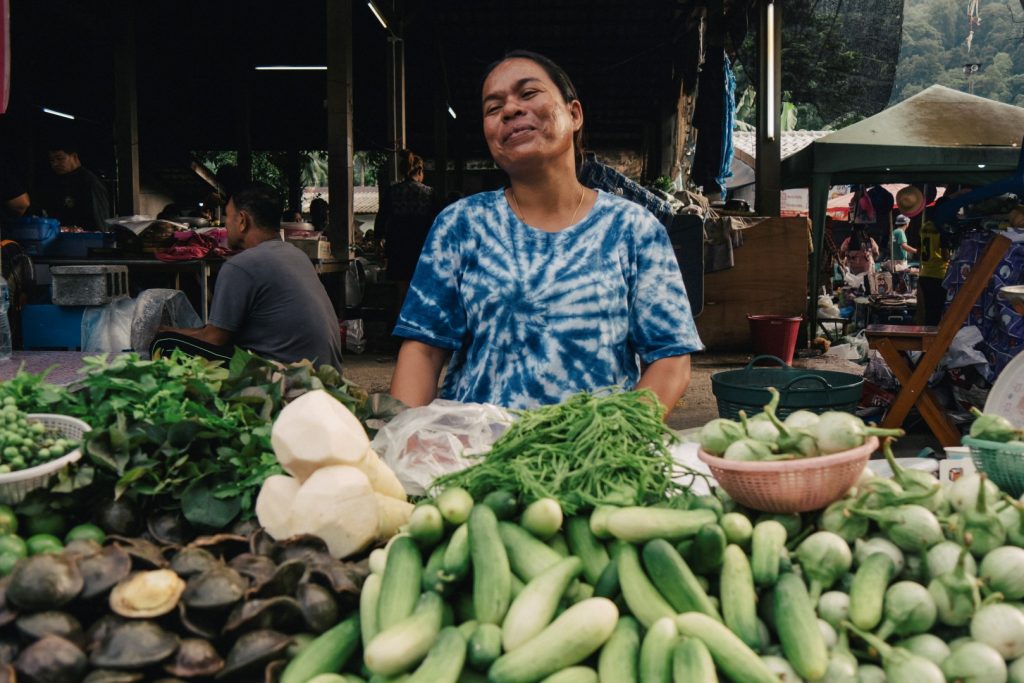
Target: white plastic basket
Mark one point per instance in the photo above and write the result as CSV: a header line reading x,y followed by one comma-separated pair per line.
x,y
14,486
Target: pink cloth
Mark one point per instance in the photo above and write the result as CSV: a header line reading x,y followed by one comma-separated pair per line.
x,y
191,245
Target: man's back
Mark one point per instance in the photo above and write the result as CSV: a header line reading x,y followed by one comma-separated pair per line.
x,y
271,300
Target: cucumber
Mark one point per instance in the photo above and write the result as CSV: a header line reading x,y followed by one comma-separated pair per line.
x,y
454,504
528,556
672,577
730,654
656,651
401,647
642,524
797,627
584,545
426,525
368,601
607,585
517,586
708,502
542,518
444,660
558,544
400,583
792,522
692,663
484,646
620,656
642,598
707,550
739,600
327,653
378,560
504,504
435,578
572,637
737,528
468,628
535,607
492,576
767,542
867,593
574,674
456,554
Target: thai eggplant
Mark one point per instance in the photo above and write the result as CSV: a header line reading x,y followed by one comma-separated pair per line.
x,y
837,431
901,666
942,558
869,673
917,484
746,450
782,669
842,665
963,493
1002,627
989,427
975,663
824,557
912,527
838,519
956,594
978,526
794,440
876,544
909,610
801,419
1015,672
926,645
1002,571
716,436
834,607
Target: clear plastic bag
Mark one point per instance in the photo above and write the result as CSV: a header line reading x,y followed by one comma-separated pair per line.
x,y
108,328
159,307
355,336
423,443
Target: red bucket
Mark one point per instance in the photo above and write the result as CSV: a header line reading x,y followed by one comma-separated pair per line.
x,y
775,335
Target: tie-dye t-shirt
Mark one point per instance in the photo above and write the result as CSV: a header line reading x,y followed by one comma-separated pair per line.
x,y
533,317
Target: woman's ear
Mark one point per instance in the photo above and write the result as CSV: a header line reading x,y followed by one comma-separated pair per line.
x,y
576,113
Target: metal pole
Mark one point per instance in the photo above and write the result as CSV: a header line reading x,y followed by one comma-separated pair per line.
x,y
126,120
769,103
396,103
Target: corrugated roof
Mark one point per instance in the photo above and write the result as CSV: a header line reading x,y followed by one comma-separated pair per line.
x,y
365,200
745,142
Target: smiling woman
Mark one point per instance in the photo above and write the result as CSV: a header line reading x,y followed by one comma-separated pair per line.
x,y
545,288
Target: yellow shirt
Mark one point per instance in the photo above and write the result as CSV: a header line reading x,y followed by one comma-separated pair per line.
x,y
933,262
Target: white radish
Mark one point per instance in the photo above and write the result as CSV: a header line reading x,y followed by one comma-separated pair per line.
x,y
338,504
274,505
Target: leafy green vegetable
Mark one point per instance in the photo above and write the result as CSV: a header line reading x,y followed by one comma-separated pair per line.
x,y
587,451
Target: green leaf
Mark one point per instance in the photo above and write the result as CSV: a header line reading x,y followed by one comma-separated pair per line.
x,y
128,478
201,507
181,434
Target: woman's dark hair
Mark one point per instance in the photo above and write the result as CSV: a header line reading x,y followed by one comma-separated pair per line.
x,y
262,203
409,164
558,76
860,240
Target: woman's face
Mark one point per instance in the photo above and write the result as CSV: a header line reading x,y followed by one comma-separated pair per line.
x,y
526,121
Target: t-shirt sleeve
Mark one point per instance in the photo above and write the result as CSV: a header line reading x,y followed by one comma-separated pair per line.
x,y
433,312
661,323
232,298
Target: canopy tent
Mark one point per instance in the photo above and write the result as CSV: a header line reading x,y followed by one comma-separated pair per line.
x,y
939,135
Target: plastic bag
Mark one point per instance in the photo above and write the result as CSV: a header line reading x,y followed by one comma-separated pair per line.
x,y
355,282
108,328
423,443
962,351
159,307
355,337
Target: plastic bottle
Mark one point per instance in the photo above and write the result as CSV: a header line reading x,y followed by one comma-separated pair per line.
x,y
5,326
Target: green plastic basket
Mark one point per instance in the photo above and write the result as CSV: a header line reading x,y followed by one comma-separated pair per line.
x,y
1001,462
814,390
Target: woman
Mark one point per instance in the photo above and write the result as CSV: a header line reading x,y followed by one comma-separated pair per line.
x,y
859,251
545,288
406,211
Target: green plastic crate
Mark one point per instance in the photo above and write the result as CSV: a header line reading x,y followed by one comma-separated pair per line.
x,y
814,390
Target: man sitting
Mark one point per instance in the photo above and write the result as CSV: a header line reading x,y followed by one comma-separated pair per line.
x,y
268,299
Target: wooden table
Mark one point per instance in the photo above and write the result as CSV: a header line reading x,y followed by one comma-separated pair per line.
x,y
892,341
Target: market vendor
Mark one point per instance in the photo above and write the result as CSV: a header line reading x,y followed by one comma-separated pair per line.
x,y
268,299
544,288
899,249
72,193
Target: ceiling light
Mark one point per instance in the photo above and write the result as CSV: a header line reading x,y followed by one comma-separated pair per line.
x,y
61,114
451,112
376,13
770,75
282,67
981,165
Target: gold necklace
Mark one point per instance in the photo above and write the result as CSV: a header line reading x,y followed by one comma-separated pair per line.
x,y
522,217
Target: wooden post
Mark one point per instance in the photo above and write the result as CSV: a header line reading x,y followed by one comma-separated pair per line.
x,y
294,179
768,164
396,102
126,120
440,180
339,132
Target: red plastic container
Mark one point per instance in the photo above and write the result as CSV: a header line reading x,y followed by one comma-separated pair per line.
x,y
775,335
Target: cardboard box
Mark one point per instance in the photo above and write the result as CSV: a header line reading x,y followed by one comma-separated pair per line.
x,y
314,249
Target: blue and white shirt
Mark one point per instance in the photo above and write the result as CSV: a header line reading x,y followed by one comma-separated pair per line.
x,y
533,317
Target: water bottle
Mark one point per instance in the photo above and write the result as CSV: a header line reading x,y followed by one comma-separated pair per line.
x,y
5,326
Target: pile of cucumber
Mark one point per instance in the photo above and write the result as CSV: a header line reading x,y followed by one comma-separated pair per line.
x,y
902,580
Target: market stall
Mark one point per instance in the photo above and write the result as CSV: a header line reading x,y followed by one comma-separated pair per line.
x,y
238,523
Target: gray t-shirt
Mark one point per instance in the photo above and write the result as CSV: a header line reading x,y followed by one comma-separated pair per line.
x,y
271,300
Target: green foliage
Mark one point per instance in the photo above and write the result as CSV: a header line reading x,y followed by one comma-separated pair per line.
x,y
935,49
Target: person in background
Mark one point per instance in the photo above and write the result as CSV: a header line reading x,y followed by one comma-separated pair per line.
x,y
545,288
72,193
14,199
859,251
407,209
931,295
318,213
268,298
898,246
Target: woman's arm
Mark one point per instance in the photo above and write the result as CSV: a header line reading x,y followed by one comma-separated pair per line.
x,y
668,378
875,251
416,373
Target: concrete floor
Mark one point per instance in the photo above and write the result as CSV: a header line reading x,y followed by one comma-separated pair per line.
x,y
373,371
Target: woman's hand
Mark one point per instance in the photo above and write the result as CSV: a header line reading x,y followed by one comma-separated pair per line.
x,y
416,373
668,378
